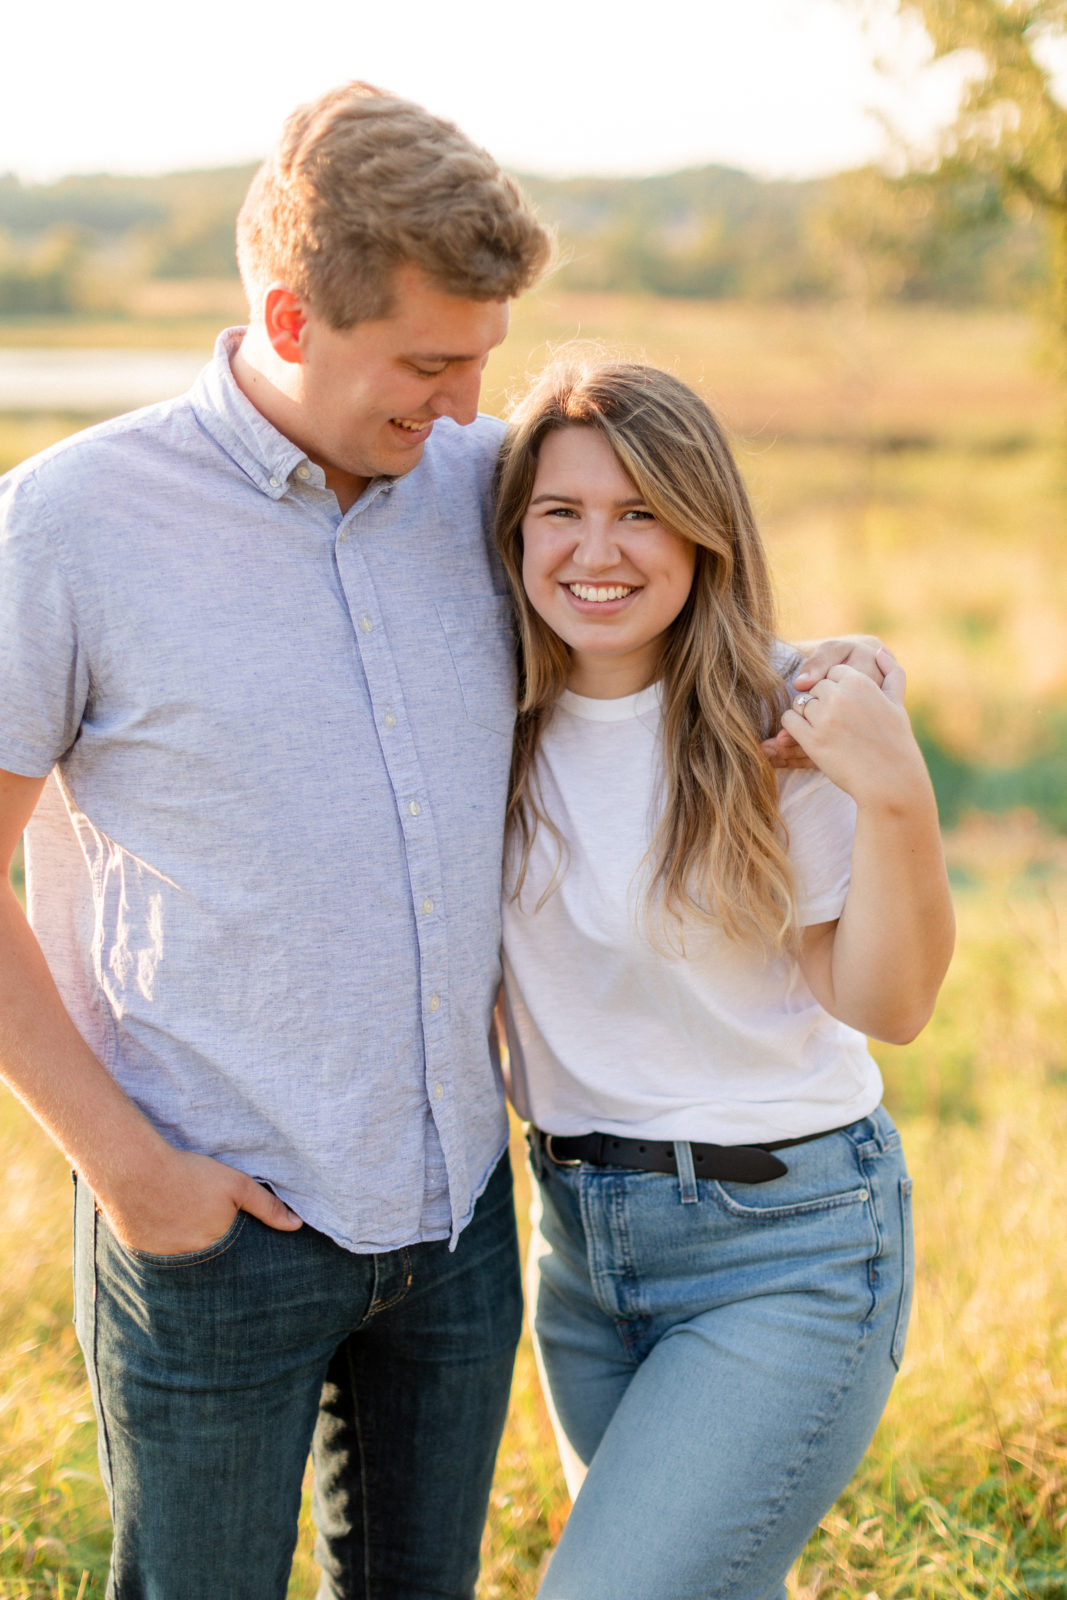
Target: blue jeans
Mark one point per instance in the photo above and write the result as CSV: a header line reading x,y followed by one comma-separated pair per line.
x,y
213,1373
718,1356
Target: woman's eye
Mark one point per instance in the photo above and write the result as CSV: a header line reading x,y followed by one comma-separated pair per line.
x,y
639,516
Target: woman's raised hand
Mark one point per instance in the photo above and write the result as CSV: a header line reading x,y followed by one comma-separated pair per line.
x,y
859,735
862,652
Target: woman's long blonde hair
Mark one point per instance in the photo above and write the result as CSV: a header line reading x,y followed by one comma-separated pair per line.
x,y
719,852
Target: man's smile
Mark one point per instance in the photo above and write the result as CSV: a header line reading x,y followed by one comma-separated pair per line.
x,y
411,425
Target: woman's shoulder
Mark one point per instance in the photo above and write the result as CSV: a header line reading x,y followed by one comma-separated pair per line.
x,y
811,805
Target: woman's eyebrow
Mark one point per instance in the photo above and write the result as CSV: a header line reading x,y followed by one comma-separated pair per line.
x,y
572,500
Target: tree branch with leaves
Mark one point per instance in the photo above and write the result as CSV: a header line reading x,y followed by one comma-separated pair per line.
x,y
1011,123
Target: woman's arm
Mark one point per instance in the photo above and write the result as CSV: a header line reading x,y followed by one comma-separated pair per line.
x,y
880,966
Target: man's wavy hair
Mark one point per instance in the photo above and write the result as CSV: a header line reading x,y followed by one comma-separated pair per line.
x,y
719,854
362,183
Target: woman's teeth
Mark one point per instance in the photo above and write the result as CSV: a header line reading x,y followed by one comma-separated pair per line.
x,y
585,591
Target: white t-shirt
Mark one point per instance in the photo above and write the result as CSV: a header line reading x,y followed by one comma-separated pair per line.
x,y
608,1033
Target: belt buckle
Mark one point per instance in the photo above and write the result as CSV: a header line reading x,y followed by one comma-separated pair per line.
x,y
557,1161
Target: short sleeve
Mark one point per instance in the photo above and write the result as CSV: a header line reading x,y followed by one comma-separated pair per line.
x,y
43,673
820,820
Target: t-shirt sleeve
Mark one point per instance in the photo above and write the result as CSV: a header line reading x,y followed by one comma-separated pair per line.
x,y
820,820
44,681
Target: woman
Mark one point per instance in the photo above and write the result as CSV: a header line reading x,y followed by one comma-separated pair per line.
x,y
694,951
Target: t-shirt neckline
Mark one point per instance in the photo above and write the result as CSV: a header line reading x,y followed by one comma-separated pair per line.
x,y
623,709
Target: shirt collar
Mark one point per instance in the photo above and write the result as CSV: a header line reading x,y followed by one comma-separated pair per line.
x,y
253,443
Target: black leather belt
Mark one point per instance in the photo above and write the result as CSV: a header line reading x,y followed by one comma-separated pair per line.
x,y
735,1163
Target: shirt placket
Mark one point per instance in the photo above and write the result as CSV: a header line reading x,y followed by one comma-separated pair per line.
x,y
421,847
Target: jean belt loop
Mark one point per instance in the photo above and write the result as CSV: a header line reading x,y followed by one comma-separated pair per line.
x,y
688,1193
879,1120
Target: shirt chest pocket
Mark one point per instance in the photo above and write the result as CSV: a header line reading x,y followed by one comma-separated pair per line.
x,y
481,642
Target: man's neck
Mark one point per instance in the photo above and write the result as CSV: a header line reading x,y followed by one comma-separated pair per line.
x,y
268,384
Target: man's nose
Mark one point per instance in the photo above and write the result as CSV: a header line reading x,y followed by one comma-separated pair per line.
x,y
458,398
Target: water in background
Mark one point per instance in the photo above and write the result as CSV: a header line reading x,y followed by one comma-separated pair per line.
x,y
94,381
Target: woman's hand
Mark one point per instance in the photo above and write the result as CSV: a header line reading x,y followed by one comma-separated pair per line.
x,y
880,966
859,735
862,652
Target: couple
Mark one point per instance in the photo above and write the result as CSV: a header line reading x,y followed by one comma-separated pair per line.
x,y
259,701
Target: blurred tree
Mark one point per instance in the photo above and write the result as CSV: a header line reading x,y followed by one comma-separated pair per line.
x,y
46,281
1011,123
944,235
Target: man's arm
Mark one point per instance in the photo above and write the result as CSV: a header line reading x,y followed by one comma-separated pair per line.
x,y
156,1198
858,650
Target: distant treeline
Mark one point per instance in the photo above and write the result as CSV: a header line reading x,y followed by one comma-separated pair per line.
x,y
711,232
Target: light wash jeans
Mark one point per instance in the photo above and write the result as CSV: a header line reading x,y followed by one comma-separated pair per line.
x,y
213,1372
718,1356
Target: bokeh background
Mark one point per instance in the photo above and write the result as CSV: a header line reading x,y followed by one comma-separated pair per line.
x,y
846,221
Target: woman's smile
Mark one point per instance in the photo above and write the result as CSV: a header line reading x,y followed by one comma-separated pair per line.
x,y
601,569
600,596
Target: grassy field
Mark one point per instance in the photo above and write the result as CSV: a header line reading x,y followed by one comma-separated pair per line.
x,y
908,476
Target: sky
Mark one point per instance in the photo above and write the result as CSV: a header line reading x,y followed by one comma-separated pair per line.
x,y
782,88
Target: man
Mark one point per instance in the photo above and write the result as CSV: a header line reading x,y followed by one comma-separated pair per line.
x,y
257,702
272,674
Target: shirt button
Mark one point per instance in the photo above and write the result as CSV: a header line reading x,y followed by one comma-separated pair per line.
x,y
438,1090
303,472
427,905
414,808
366,624
390,720
274,483
435,1001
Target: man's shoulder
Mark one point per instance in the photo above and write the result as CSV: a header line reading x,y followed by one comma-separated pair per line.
x,y
477,441
490,427
78,458
458,457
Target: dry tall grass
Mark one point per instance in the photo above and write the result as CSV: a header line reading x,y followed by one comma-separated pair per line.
x,y
904,468
964,1492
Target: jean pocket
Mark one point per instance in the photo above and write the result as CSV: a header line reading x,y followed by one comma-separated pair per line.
x,y
907,1266
188,1258
480,633
727,1197
822,1175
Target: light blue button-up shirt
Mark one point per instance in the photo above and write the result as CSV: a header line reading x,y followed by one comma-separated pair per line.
x,y
266,868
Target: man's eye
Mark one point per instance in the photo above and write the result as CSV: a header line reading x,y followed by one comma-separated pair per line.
x,y
427,372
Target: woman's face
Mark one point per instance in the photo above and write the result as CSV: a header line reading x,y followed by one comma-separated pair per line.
x,y
598,567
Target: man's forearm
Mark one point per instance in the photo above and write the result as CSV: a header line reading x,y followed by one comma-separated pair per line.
x,y
156,1198
49,1066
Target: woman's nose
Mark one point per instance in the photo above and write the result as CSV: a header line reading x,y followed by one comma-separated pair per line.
x,y
597,547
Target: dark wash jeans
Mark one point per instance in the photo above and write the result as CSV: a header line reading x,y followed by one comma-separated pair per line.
x,y
213,1373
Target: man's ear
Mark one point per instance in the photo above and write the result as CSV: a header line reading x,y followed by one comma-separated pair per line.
x,y
285,318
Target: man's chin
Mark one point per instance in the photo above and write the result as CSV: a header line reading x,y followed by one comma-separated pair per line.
x,y
395,463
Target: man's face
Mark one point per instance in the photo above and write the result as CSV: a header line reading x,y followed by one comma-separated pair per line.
x,y
370,394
